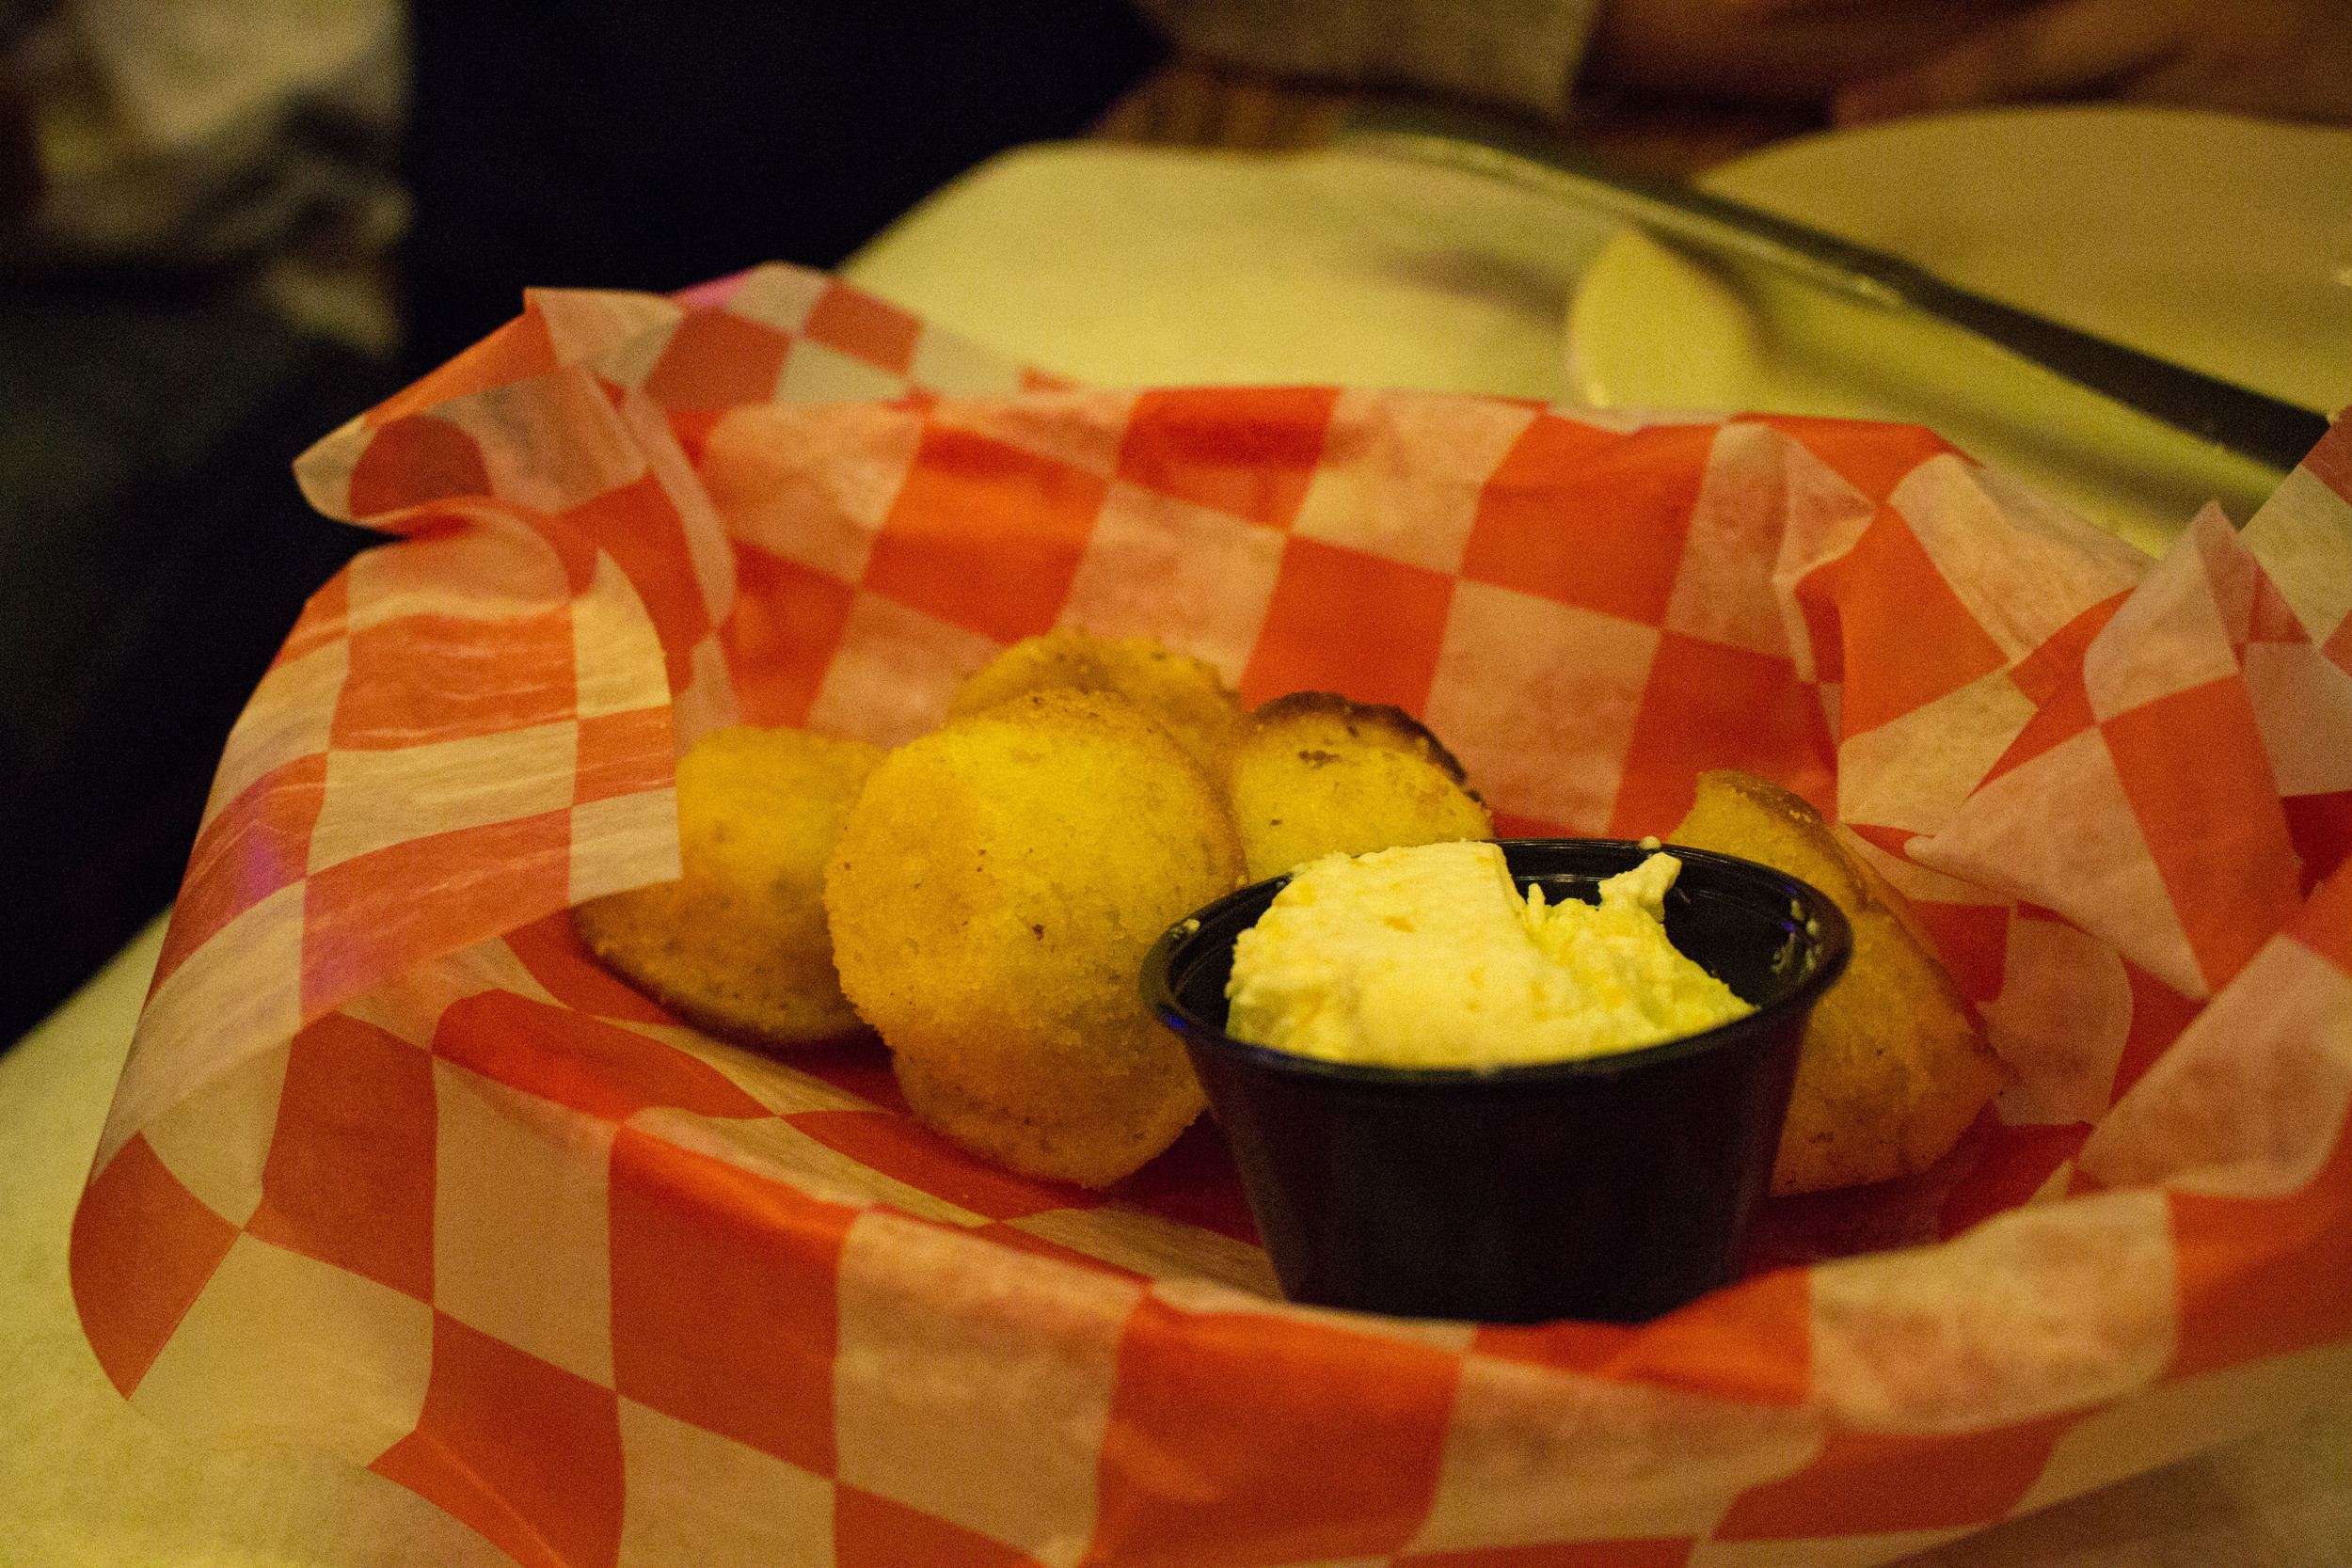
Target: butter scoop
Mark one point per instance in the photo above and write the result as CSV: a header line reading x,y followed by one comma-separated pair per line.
x,y
1427,956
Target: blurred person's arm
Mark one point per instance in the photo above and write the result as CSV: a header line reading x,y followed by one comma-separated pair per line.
x,y
2288,59
1791,50
1522,54
1537,54
1868,60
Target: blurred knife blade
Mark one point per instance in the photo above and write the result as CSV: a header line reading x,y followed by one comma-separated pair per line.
x,y
2276,433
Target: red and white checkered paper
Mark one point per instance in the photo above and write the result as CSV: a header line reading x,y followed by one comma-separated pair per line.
x,y
393,1169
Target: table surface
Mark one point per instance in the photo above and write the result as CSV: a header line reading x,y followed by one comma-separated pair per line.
x,y
1419,285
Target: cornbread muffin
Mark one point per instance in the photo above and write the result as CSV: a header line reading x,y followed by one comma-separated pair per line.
x,y
1315,773
992,900
738,945
1185,694
1894,1066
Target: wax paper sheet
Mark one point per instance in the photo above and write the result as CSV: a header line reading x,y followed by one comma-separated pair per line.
x,y
394,1170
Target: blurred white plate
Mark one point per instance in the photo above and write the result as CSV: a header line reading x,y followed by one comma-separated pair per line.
x,y
1126,267
2224,244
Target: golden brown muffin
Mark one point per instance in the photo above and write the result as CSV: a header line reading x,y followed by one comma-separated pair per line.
x,y
1315,773
1894,1066
1185,694
738,946
991,900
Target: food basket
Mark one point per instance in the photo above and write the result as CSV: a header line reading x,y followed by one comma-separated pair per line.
x,y
396,1171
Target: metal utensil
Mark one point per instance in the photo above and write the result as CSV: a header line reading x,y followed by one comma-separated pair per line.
x,y
2273,432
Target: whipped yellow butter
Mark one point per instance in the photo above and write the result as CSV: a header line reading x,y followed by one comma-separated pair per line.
x,y
1427,956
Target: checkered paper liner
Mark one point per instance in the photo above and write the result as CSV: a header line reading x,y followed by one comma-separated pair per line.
x,y
394,1170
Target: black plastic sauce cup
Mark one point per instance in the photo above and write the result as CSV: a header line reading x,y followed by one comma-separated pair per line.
x,y
1611,1188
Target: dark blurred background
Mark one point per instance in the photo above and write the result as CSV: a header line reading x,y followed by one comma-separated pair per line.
x,y
226,229
606,144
